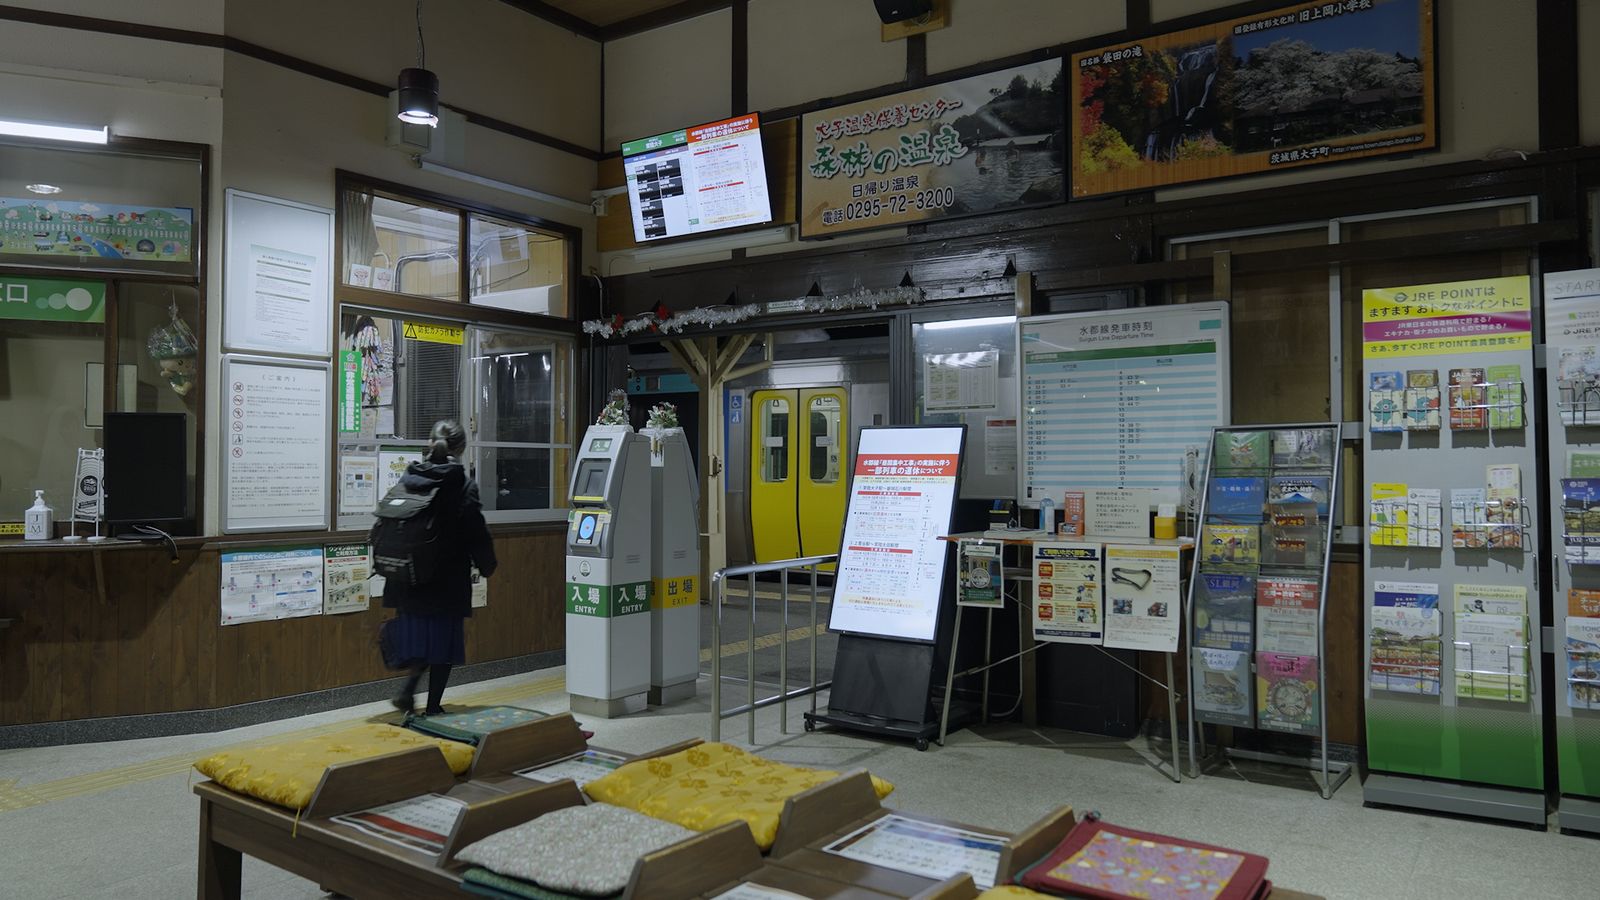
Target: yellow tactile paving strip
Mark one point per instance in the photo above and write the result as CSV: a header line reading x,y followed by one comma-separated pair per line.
x,y
14,797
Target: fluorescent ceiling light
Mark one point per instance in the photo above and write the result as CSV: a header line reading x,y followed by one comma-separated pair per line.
x,y
42,188
969,323
55,132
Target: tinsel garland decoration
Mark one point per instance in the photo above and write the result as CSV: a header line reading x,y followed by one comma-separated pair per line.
x,y
713,316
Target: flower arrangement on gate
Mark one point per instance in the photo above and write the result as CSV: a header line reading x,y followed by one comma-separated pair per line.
x,y
616,409
663,415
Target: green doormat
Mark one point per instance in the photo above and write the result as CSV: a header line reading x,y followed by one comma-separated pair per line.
x,y
471,724
485,883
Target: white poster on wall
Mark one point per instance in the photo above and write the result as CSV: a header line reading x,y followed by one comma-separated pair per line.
x,y
1143,601
275,444
891,560
960,382
258,586
277,276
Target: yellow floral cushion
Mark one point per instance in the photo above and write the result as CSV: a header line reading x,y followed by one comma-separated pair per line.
x,y
1013,891
710,785
288,773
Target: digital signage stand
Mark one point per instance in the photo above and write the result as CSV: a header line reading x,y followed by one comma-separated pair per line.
x,y
889,600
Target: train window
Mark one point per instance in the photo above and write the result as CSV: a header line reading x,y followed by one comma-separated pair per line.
x,y
774,440
824,448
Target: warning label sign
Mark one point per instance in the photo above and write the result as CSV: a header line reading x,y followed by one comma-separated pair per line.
x,y
434,334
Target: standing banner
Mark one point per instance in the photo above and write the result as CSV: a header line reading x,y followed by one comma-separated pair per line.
x,y
891,560
1303,85
977,145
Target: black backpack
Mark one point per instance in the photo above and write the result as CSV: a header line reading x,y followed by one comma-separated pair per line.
x,y
407,540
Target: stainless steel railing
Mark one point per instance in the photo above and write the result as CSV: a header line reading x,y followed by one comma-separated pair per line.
x,y
784,695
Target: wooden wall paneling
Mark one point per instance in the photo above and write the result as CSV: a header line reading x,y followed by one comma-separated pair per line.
x,y
10,649
230,664
161,599
105,629
16,699
1346,648
77,600
129,590
44,659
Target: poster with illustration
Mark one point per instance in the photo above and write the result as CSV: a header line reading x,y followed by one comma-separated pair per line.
x,y
1306,84
975,145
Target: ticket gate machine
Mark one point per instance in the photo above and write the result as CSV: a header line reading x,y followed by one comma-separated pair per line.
x,y
675,598
609,555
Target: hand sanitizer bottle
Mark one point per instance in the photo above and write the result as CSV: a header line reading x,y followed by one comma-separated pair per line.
x,y
1047,515
39,520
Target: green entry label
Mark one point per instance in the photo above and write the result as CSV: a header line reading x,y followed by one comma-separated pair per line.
x,y
607,602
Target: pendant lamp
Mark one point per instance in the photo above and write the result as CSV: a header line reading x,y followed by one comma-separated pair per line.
x,y
419,88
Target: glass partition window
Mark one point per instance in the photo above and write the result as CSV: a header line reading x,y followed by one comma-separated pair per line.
x,y
507,387
407,246
51,388
100,209
824,450
516,267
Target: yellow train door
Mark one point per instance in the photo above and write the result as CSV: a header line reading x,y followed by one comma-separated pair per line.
x,y
824,468
774,532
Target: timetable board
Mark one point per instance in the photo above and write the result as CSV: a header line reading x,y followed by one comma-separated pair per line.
x,y
1115,399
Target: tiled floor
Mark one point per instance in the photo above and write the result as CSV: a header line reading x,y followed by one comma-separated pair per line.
x,y
117,820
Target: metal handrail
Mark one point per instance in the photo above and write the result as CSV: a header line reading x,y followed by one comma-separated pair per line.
x,y
784,694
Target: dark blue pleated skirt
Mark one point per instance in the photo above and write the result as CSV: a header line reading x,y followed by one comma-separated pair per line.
x,y
434,640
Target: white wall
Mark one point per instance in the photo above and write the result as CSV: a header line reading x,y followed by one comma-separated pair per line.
x,y
982,30
820,48
667,78
190,15
490,57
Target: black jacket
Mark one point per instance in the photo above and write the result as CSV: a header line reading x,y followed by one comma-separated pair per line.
x,y
450,591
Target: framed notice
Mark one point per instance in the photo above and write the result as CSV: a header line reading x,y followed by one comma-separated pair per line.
x,y
1116,399
275,444
277,277
891,561
976,145
262,585
1306,84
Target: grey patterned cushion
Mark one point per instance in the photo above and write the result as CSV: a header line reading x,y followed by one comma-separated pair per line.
x,y
583,849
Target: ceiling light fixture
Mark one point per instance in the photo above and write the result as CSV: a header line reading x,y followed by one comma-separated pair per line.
x,y
42,188
55,132
419,88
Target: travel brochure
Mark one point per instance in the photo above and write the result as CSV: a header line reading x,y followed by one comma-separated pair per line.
x,y
1236,498
1241,451
1469,399
1287,690
1422,400
1386,399
1407,651
1387,515
1222,686
1225,608
1578,381
1292,536
1505,396
1231,546
1583,649
1302,448
1491,642
1286,615
1469,518
1504,506
1580,520
1300,489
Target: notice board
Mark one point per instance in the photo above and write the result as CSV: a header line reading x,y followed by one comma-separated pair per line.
x,y
275,446
1115,399
277,276
891,560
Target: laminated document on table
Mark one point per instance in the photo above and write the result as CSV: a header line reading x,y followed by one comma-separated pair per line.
x,y
923,848
582,768
420,823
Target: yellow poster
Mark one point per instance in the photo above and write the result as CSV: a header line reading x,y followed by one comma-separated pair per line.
x,y
1487,315
434,333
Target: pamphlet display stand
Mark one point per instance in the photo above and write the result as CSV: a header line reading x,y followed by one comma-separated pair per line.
x,y
1258,602
1572,398
1451,608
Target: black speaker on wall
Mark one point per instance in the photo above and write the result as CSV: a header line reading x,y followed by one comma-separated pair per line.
x,y
892,11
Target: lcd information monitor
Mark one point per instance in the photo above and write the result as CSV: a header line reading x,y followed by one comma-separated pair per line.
x,y
708,178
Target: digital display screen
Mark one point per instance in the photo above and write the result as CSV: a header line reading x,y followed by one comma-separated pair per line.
x,y
700,179
600,445
591,480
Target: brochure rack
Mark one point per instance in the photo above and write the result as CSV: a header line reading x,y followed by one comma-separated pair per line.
x,y
1572,373
1252,662
1451,682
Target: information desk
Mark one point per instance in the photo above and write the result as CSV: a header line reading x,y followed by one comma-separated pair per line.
x,y
1022,575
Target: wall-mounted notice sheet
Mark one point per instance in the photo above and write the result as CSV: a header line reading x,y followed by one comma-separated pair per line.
x,y
891,561
275,444
346,568
261,585
278,276
1067,593
1115,399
